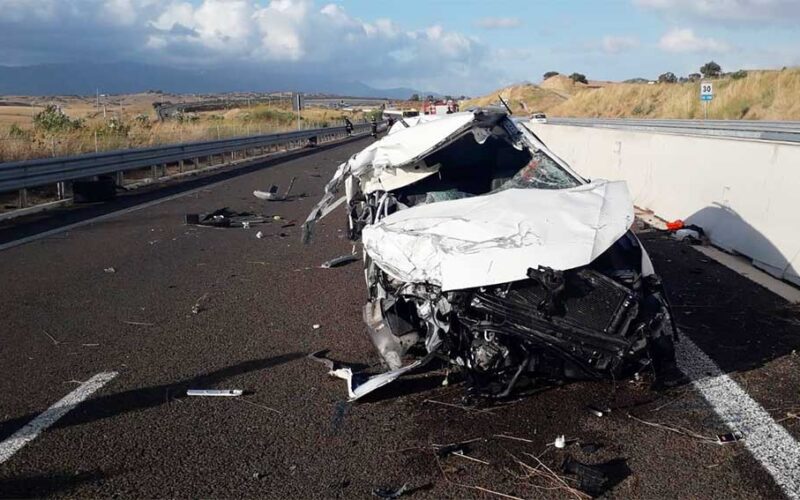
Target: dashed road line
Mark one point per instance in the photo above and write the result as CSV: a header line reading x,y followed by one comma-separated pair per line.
x,y
768,442
50,416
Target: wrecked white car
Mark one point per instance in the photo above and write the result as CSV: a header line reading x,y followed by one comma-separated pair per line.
x,y
483,247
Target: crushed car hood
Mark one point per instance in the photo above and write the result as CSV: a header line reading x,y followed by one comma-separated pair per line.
x,y
496,238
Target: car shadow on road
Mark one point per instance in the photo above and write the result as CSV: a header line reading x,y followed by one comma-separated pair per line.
x,y
48,484
740,325
132,400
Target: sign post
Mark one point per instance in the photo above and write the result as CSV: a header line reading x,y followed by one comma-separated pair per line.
x,y
297,105
706,94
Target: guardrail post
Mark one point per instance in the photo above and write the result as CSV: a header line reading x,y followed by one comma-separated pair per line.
x,y
120,178
196,162
154,172
61,190
180,165
23,198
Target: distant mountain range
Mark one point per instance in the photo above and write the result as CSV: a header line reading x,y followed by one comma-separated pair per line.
x,y
130,77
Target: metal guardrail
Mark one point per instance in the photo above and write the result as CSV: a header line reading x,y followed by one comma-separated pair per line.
x,y
25,174
784,131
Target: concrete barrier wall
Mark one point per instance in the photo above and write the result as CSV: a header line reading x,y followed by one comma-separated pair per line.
x,y
745,194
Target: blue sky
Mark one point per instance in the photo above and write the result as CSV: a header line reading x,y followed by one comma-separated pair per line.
x,y
448,46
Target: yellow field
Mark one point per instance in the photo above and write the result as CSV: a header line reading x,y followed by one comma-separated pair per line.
x,y
140,126
21,115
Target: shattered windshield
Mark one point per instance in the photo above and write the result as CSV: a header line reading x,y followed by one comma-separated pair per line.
x,y
541,172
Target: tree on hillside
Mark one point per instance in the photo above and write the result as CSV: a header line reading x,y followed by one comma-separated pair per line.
x,y
738,75
578,78
710,69
693,77
414,97
549,74
668,77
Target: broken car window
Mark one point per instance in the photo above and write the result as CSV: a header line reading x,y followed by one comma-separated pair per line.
x,y
541,172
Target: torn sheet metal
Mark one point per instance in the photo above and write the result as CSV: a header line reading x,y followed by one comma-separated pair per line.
x,y
483,247
359,385
396,178
496,238
339,261
406,145
392,151
413,121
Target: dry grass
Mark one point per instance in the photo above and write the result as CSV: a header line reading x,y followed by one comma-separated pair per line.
x,y
526,98
97,135
761,95
21,115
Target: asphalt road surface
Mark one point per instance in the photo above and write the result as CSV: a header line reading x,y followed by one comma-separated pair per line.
x,y
293,434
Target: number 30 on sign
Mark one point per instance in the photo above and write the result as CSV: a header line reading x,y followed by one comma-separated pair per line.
x,y
706,91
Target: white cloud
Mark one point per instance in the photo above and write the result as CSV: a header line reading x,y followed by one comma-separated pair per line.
x,y
749,11
684,40
498,23
299,38
19,10
125,12
614,44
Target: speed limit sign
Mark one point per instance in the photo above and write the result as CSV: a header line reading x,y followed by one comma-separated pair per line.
x,y
706,91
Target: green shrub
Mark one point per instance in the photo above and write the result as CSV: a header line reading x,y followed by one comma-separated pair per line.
x,y
15,132
52,119
578,78
271,115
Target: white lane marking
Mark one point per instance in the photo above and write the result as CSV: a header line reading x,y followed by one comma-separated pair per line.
x,y
768,442
50,416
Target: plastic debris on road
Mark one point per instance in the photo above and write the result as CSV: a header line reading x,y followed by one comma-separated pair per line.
x,y
223,217
591,479
214,392
200,304
272,194
730,437
390,492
